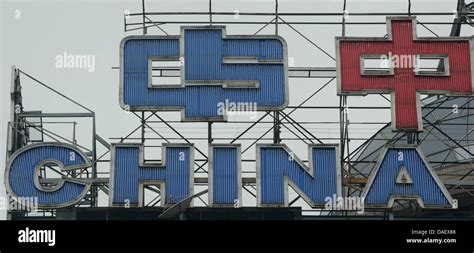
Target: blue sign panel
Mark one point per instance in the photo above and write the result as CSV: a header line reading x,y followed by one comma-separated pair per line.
x,y
278,167
216,70
22,174
403,173
129,174
225,180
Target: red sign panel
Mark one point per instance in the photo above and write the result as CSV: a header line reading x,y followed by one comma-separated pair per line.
x,y
405,66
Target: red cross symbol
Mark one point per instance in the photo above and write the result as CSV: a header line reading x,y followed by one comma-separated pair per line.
x,y
403,78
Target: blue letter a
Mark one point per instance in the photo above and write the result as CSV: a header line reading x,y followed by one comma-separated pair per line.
x,y
403,173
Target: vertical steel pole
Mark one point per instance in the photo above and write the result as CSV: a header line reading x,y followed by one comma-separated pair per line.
x,y
456,28
343,115
94,158
276,17
143,17
209,124
409,7
344,140
143,127
210,12
209,132
344,19
276,118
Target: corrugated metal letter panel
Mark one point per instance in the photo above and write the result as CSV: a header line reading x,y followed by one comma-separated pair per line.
x,y
203,61
276,165
384,184
22,174
404,82
225,177
127,174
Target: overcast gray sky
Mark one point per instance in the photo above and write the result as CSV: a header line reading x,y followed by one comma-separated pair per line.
x,y
34,33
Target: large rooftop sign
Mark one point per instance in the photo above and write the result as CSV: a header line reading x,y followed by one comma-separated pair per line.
x,y
216,68
409,66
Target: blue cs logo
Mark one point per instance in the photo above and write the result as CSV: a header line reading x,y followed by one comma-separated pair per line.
x,y
215,69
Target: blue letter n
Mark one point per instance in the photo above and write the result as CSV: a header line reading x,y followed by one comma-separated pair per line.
x,y
278,167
